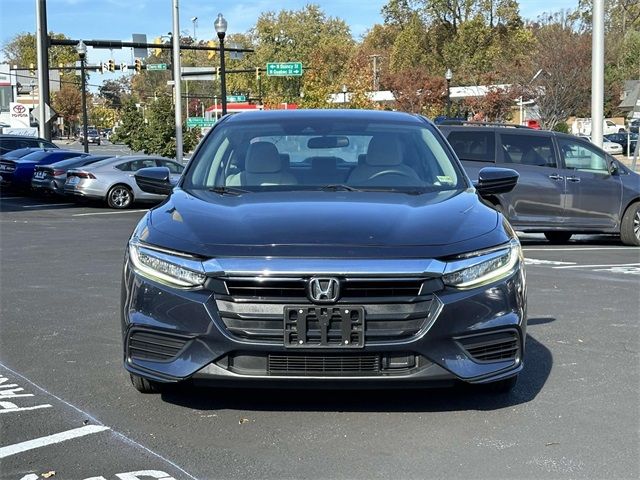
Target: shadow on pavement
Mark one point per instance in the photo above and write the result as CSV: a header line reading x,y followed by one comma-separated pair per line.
x,y
532,240
538,363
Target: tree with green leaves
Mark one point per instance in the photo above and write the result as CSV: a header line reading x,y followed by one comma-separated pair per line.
x,y
21,50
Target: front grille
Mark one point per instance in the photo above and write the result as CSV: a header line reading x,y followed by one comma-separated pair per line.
x,y
493,347
276,289
323,365
252,308
154,346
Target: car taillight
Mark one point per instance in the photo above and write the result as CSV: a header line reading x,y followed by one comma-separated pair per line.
x,y
81,175
57,173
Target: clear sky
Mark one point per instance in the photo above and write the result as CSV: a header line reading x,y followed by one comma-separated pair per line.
x,y
118,19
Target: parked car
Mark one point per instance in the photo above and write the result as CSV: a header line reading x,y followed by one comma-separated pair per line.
x,y
634,125
93,136
51,178
327,248
608,146
112,180
18,173
626,141
14,142
567,185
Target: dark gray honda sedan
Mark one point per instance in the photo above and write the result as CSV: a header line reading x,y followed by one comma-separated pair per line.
x,y
332,248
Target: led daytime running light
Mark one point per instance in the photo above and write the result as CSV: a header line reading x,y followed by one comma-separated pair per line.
x,y
165,268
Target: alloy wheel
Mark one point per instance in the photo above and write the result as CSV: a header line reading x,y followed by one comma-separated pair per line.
x,y
120,197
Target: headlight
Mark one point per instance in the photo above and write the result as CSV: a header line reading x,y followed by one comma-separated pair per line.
x,y
170,268
480,268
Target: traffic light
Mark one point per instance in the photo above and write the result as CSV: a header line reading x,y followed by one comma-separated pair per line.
x,y
111,65
257,73
138,65
211,53
218,72
60,67
32,69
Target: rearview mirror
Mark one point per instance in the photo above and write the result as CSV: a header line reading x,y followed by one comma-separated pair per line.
x,y
494,180
328,142
154,180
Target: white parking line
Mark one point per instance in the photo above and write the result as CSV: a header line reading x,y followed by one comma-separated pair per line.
x,y
106,213
575,249
40,205
122,436
50,439
601,266
11,198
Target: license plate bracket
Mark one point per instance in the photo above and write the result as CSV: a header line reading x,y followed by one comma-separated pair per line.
x,y
322,326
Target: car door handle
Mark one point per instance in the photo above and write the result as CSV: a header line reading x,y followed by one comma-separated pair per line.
x,y
556,177
573,179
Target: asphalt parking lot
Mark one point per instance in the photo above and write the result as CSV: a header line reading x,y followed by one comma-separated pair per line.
x,y
66,405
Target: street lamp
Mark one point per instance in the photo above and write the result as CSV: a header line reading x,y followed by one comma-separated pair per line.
x,y
448,75
344,95
221,29
81,48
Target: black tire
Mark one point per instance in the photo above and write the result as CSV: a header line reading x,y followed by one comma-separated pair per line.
x,y
120,197
630,227
558,237
145,386
501,386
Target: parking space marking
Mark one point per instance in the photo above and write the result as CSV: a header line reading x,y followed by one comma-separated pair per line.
x,y
600,266
11,198
577,248
50,440
40,205
121,436
106,213
537,261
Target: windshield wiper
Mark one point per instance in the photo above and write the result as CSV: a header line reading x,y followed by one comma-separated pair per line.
x,y
222,190
334,187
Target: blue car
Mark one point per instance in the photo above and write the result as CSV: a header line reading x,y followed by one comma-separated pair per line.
x,y
17,173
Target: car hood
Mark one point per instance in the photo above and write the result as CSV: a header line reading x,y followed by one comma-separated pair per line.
x,y
334,224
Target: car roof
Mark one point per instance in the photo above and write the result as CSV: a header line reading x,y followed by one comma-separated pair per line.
x,y
126,158
20,152
324,114
22,137
498,128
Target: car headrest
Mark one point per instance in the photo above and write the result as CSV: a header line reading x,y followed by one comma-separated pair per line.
x,y
384,150
263,157
324,163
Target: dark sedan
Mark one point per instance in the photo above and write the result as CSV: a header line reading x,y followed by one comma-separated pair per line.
x,y
51,178
628,141
9,143
17,173
331,248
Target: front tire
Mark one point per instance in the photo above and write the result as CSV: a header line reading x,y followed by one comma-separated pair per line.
x,y
120,197
558,237
630,227
145,386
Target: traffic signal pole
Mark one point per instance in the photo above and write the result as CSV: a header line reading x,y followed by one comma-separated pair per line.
x,y
177,80
43,68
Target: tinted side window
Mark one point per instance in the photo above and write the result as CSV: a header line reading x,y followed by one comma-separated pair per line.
x,y
125,167
528,150
173,167
582,156
479,146
138,164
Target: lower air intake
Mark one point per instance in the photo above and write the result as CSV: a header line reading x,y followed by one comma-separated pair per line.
x,y
493,347
323,365
154,346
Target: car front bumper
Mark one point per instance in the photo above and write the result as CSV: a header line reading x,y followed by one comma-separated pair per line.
x,y
191,340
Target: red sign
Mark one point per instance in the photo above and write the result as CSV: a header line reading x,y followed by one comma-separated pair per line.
x,y
19,109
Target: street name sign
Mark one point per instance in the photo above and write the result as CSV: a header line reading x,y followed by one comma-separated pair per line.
x,y
200,122
156,66
236,98
284,69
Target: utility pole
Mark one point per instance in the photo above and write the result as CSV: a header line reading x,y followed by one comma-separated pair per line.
x,y
376,72
42,51
597,73
177,80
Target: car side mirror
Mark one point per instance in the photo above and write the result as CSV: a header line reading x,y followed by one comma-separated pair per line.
x,y
613,167
494,180
154,180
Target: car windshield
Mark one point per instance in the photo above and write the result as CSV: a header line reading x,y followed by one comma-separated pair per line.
x,y
301,153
